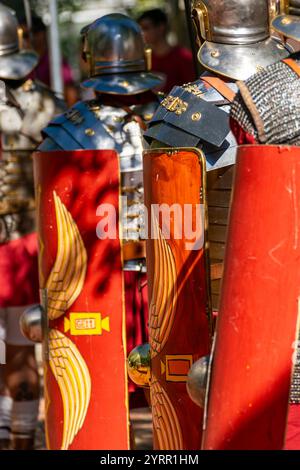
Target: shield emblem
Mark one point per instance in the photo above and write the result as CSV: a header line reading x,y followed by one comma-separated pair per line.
x,y
80,266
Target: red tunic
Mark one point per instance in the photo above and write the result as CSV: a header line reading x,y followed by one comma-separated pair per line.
x,y
177,65
19,272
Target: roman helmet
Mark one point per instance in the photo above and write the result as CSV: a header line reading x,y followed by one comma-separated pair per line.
x,y
15,64
236,37
119,62
287,22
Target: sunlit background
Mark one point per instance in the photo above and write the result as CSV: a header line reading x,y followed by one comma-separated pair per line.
x,y
74,14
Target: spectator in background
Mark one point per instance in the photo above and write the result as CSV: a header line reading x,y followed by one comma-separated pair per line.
x,y
175,62
42,72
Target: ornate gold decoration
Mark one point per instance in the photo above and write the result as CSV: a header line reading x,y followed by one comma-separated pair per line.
x,y
89,132
176,367
196,116
175,105
192,88
200,16
284,6
28,85
41,245
148,116
66,279
164,295
118,119
275,8
86,324
215,53
165,420
74,382
148,58
95,108
286,21
74,116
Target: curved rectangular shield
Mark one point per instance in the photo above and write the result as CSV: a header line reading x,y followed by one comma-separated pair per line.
x,y
80,266
257,326
179,321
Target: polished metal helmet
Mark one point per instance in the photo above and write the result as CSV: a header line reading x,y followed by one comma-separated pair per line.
x,y
274,8
15,64
237,37
117,58
287,22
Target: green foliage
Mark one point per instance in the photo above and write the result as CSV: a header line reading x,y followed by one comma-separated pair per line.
x,y
40,6
142,5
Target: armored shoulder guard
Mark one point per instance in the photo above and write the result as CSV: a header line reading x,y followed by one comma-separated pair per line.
x,y
267,106
194,115
92,125
80,127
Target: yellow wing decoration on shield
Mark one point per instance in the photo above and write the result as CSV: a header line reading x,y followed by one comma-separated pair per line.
x,y
73,378
67,276
162,314
164,294
165,420
63,286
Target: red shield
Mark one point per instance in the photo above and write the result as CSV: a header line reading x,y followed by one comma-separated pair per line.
x,y
257,323
177,283
82,285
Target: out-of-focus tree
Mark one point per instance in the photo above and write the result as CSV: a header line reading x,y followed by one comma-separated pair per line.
x,y
41,6
143,5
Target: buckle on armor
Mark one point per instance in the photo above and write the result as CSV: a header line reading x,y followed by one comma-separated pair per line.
x,y
175,105
193,89
74,116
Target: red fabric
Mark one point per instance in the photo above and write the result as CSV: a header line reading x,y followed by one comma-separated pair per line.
x,y
42,71
241,136
19,272
177,65
136,304
292,438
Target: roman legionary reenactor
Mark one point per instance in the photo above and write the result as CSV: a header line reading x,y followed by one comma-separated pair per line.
x,y
89,184
188,172
256,352
25,108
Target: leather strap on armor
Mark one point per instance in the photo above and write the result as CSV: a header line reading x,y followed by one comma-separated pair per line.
x,y
293,65
220,86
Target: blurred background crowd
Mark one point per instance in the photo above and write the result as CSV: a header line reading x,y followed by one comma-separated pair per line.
x,y
163,24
